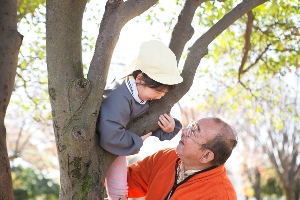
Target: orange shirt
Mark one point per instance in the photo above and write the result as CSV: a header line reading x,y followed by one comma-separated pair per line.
x,y
154,177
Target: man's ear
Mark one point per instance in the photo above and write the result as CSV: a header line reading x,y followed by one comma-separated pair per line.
x,y
207,157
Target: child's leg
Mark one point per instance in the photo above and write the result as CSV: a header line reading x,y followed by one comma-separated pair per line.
x,y
116,179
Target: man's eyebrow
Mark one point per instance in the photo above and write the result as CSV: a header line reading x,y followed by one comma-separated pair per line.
x,y
198,127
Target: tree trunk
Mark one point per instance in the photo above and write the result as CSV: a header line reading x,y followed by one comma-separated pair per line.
x,y
256,184
297,191
79,153
288,193
76,100
10,42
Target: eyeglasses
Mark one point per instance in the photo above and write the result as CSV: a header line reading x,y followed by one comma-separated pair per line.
x,y
191,131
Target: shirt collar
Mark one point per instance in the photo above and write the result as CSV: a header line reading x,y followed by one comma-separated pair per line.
x,y
131,86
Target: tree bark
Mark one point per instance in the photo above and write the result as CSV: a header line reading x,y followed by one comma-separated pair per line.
x,y
183,30
256,184
76,100
197,51
10,42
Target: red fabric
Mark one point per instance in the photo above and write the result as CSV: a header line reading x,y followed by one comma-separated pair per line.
x,y
154,177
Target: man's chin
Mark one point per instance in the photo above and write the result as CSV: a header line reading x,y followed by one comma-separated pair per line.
x,y
178,148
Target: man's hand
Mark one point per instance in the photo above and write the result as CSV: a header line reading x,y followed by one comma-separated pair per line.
x,y
166,123
146,136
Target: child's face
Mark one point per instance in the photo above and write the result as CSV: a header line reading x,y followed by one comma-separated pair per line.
x,y
146,93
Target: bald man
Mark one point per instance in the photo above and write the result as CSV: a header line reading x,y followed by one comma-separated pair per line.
x,y
194,170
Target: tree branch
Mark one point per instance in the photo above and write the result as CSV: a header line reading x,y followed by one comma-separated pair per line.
x,y
116,15
183,31
199,48
197,52
247,45
259,57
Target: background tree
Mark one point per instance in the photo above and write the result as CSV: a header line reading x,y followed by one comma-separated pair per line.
x,y
10,42
279,126
270,185
269,135
32,184
11,12
75,100
28,115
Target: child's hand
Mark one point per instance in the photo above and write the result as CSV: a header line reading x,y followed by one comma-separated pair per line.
x,y
146,136
166,123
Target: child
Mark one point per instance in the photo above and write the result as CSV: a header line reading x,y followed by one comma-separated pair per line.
x,y
149,77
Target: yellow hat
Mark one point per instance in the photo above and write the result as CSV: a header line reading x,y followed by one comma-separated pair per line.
x,y
157,61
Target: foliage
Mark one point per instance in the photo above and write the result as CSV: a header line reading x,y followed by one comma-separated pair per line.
x,y
28,114
31,95
28,7
231,65
32,184
269,130
273,47
269,184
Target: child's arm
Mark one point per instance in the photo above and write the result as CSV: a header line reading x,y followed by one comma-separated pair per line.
x,y
113,119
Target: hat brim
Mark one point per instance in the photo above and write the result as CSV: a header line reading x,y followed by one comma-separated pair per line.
x,y
175,79
168,80
129,69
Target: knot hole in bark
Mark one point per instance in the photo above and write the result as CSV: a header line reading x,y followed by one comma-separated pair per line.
x,y
78,93
80,135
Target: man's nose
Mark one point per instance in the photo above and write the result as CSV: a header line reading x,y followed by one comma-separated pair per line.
x,y
184,132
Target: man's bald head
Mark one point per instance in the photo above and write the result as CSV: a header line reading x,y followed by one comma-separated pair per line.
x,y
223,139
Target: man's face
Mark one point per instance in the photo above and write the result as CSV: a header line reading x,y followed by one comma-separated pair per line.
x,y
190,148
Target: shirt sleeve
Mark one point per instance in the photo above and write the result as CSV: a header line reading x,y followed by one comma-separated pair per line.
x,y
112,121
140,175
168,136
